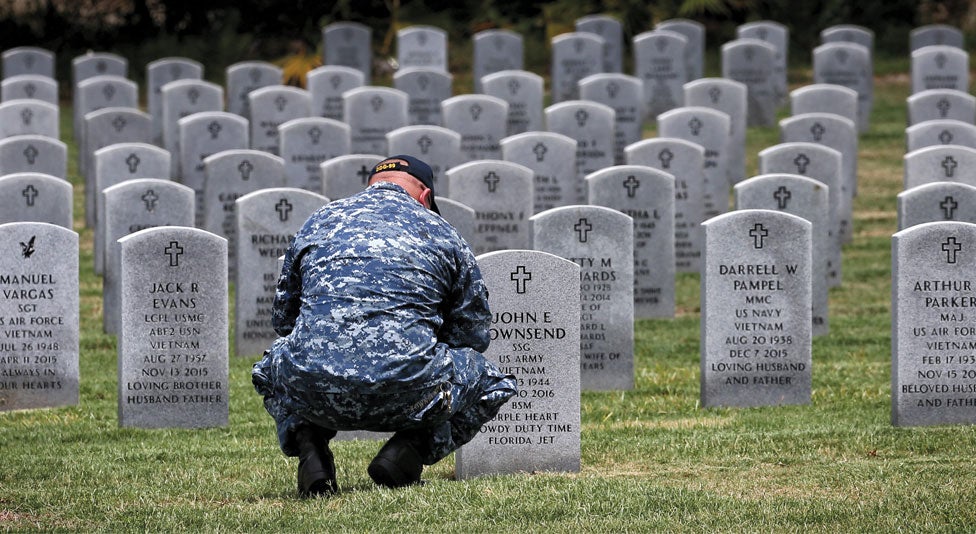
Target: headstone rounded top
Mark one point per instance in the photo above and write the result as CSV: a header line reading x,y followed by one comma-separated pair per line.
x,y
747,41
494,164
698,110
372,89
846,45
940,148
108,111
32,138
608,213
487,78
212,115
137,182
175,59
244,152
680,22
824,87
750,214
633,169
418,71
660,34
601,108
258,93
534,136
762,23
312,121
569,36
648,144
334,69
420,28
123,147
938,228
953,123
417,129
293,191
347,157
799,145
105,78
463,99
607,77
933,93
938,49
824,117
485,34
922,188
712,81
175,85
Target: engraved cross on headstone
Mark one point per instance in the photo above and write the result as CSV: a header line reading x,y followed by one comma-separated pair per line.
x,y
108,92
283,207
245,169
582,228
214,128
540,151
782,196
27,115
281,102
817,130
758,233
174,251
377,103
119,123
31,154
950,246
30,193
475,110
363,173
514,86
945,137
520,276
948,206
581,117
801,162
133,162
424,144
714,94
150,197
665,156
943,105
314,134
492,180
949,165
695,125
30,89
631,183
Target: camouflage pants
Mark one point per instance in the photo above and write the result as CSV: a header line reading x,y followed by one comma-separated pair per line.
x,y
437,420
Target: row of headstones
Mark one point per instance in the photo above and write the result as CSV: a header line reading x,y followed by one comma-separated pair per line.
x,y
756,331
350,44
941,146
838,63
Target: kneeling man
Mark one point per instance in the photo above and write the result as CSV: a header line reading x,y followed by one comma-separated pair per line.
x,y
384,317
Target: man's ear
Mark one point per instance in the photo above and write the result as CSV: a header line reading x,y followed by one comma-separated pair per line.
x,y
425,197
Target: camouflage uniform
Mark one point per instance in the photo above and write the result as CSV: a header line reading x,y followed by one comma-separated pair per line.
x,y
384,315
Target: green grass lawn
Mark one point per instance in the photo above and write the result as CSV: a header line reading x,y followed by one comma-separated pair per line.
x,y
653,459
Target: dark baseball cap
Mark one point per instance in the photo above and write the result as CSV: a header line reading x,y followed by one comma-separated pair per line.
x,y
414,167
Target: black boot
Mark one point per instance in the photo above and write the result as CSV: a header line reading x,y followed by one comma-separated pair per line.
x,y
398,464
316,465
